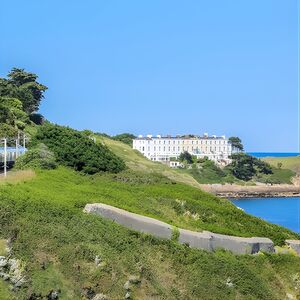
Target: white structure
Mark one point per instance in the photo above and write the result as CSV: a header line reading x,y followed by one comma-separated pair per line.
x,y
168,148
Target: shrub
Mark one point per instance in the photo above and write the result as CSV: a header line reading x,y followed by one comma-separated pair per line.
x,y
74,149
39,157
125,138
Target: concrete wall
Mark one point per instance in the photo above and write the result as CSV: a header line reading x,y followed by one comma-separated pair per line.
x,y
131,220
201,240
294,244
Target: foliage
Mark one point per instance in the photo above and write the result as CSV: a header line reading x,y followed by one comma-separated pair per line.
x,y
245,167
39,157
206,171
23,86
73,148
58,242
8,131
236,142
125,138
278,176
186,157
11,113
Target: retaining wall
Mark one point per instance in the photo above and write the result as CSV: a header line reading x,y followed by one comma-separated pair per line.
x,y
201,240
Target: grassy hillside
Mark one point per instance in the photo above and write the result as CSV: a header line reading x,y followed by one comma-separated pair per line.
x,y
194,177
58,243
137,162
42,215
291,163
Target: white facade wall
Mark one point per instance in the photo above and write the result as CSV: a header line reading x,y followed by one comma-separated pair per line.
x,y
162,149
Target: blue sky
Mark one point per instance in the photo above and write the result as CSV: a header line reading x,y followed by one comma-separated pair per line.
x,y
162,67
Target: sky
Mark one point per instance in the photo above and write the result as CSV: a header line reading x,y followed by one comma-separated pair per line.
x,y
162,67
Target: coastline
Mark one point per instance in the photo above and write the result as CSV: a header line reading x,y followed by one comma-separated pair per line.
x,y
257,191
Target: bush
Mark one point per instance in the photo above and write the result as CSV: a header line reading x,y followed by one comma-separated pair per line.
x,y
186,157
245,167
37,119
39,157
125,138
74,149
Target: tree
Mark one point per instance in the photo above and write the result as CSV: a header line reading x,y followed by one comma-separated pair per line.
x,y
23,86
236,142
186,157
74,149
11,113
245,167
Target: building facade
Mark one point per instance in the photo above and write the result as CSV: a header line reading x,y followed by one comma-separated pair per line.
x,y
168,148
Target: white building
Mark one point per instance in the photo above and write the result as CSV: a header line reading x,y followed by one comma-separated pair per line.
x,y
168,148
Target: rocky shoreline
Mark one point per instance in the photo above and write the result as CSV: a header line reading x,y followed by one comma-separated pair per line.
x,y
256,191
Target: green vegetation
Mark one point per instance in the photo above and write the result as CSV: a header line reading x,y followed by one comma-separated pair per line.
x,y
137,162
186,157
73,148
291,163
41,213
23,85
20,97
278,176
245,167
236,142
125,138
206,171
39,157
58,243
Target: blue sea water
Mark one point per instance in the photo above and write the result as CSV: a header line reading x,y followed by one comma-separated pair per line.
x,y
273,154
281,211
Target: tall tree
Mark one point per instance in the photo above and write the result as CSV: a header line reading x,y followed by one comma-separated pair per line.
x,y
236,142
23,86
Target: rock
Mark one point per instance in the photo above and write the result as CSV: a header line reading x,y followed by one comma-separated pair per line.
x,y
100,297
3,262
134,279
127,285
53,295
127,296
294,244
20,282
4,276
14,264
229,282
97,260
88,292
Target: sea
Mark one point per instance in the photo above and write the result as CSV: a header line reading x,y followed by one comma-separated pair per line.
x,y
281,211
273,154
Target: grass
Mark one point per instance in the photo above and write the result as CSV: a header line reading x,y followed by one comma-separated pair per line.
x,y
17,176
291,163
3,246
58,243
195,177
149,194
5,293
279,176
137,162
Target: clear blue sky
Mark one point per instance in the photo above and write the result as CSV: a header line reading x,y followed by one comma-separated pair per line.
x,y
162,67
